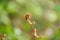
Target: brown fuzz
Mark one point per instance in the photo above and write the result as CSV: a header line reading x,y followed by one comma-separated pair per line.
x,y
27,16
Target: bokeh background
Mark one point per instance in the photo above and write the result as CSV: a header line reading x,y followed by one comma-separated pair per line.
x,y
46,14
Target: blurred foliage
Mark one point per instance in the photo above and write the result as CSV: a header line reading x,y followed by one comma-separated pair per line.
x,y
46,13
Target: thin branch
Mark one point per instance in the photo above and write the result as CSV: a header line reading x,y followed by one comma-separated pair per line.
x,y
34,32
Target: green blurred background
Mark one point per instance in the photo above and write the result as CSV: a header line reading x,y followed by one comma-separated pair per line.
x,y
46,13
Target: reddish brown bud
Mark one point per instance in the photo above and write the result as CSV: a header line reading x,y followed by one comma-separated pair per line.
x,y
33,32
27,16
